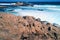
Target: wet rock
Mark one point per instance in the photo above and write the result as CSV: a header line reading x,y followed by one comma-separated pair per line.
x,y
38,19
56,25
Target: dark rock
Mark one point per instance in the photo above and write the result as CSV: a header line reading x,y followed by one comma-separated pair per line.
x,y
38,19
49,28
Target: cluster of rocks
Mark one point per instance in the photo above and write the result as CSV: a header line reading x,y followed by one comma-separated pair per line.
x,y
23,4
26,28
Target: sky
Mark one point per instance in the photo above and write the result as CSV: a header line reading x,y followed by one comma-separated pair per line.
x,y
31,0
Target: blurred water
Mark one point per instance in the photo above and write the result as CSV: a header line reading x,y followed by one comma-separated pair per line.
x,y
50,13
48,8
35,8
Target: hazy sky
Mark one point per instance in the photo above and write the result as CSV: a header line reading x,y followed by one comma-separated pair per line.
x,y
31,0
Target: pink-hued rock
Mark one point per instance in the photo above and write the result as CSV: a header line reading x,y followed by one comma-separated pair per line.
x,y
25,28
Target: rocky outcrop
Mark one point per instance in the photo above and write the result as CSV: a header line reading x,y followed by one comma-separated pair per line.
x,y
23,4
26,28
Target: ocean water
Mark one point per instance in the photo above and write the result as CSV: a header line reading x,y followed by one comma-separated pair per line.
x,y
50,13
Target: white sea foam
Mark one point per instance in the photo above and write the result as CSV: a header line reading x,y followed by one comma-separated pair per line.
x,y
48,13
57,9
45,6
45,16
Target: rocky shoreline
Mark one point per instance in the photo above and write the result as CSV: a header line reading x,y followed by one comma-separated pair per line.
x,y
26,28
